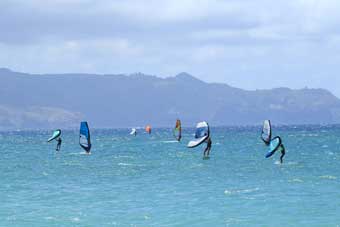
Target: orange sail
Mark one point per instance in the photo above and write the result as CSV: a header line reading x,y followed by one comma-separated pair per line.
x,y
148,129
178,130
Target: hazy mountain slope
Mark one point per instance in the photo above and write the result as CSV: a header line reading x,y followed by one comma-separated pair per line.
x,y
30,101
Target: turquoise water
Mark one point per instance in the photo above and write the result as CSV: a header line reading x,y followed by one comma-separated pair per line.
x,y
154,181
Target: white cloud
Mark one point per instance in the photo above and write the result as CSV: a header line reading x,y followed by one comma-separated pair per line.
x,y
69,56
263,42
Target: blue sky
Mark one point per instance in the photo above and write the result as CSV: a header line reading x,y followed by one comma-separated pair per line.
x,y
246,43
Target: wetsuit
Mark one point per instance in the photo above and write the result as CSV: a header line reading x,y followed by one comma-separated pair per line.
x,y
207,149
283,152
58,144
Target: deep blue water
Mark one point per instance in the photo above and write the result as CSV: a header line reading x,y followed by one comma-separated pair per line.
x,y
154,181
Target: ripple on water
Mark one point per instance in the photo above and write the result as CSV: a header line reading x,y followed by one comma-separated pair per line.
x,y
328,177
240,191
148,181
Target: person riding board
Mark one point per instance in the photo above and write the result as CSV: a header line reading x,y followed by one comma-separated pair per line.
x,y
58,144
283,152
208,148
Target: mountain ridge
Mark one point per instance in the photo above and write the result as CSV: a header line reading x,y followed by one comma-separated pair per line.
x,y
118,100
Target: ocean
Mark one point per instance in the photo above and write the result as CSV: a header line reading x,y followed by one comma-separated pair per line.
x,y
152,180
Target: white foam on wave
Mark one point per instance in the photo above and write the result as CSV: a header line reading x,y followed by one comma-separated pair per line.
x,y
125,164
329,177
310,135
295,180
75,219
170,141
129,164
50,218
79,153
241,191
123,156
286,163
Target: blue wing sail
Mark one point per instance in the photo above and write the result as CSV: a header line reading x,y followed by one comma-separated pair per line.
x,y
274,145
84,136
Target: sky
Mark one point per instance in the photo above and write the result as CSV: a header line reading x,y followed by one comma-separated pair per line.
x,y
250,44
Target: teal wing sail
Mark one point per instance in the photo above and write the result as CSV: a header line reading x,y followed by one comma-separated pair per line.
x,y
55,135
274,145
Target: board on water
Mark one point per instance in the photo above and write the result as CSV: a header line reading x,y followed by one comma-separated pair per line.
x,y
84,136
201,135
55,135
266,134
178,130
274,145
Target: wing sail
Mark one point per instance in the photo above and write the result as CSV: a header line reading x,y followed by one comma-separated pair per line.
x,y
133,131
84,136
266,132
148,129
274,145
202,133
55,135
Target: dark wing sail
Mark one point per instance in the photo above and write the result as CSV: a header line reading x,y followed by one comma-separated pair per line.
x,y
84,136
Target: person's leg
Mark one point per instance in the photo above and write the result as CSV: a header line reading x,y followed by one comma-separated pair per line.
x,y
281,157
205,151
208,151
